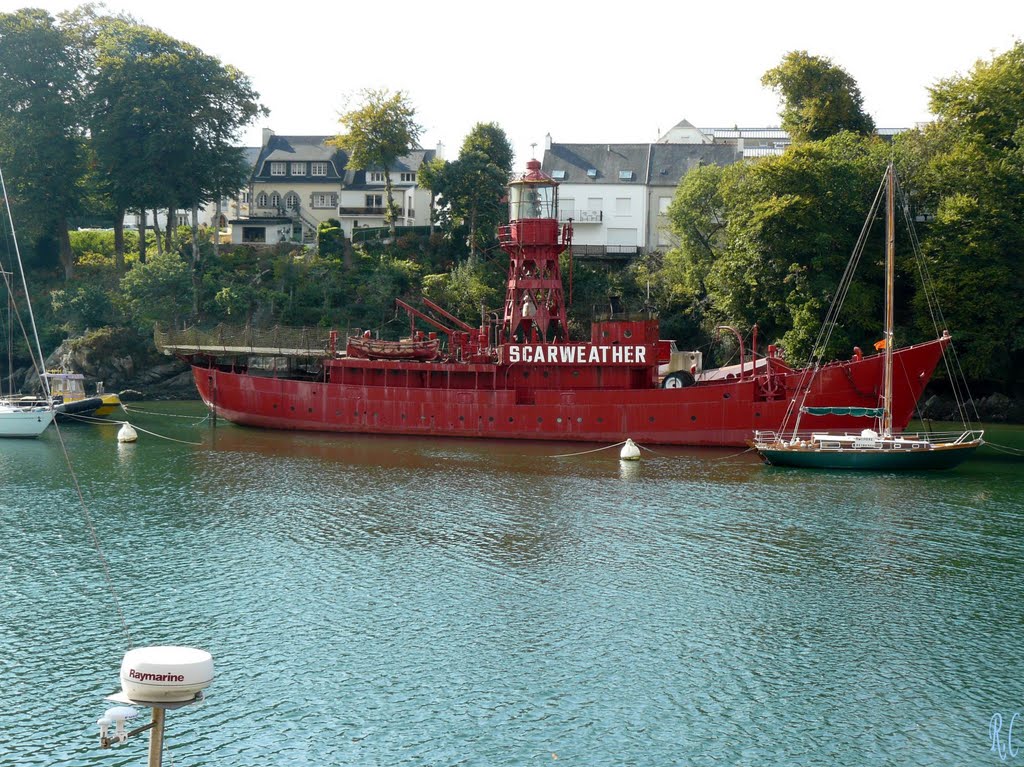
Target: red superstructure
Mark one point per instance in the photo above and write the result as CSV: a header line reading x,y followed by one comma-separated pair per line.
x,y
525,379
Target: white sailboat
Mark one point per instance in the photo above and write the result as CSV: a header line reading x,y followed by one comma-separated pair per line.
x,y
19,419
880,448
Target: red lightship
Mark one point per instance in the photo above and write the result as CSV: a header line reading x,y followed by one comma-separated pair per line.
x,y
525,379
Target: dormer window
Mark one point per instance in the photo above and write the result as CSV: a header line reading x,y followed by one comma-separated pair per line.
x,y
318,169
625,175
375,177
558,174
278,169
408,177
591,172
298,169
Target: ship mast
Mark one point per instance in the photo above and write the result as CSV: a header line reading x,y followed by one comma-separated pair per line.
x,y
534,298
890,279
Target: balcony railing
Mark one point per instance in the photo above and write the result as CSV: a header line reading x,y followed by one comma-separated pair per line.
x,y
605,251
361,211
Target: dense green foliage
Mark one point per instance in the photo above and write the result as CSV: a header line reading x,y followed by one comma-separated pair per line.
x,y
42,149
469,190
819,99
377,132
762,241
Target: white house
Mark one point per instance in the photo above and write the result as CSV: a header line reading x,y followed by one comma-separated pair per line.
x,y
298,182
617,194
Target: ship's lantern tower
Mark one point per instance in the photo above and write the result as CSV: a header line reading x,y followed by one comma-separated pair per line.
x,y
534,300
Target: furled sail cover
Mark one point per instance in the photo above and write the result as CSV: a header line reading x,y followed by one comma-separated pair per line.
x,y
864,412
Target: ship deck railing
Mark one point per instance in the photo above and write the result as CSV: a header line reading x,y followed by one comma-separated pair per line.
x,y
228,340
854,438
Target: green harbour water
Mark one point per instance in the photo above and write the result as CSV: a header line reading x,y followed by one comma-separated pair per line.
x,y
391,601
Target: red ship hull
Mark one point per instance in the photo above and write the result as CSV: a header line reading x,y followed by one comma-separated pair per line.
x,y
524,378
490,400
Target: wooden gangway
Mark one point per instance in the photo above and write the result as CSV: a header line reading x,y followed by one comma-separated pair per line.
x,y
228,340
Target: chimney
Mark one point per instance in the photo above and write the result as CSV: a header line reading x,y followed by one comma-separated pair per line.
x,y
439,154
547,142
267,135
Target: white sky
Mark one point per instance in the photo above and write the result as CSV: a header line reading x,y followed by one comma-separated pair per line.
x,y
591,71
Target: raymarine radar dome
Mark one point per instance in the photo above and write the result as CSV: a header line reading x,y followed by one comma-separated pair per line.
x,y
165,674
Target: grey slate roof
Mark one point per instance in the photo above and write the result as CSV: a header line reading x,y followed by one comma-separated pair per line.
x,y
651,164
291,149
300,149
410,163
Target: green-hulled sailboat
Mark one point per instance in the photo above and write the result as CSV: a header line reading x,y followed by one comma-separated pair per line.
x,y
874,449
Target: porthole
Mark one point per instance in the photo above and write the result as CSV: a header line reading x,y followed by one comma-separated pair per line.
x,y
558,420
628,333
726,395
490,419
651,419
540,419
462,418
511,419
693,418
579,419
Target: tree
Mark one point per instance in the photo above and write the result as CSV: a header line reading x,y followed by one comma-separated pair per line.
x,y
819,99
470,189
378,132
790,223
165,120
969,175
158,289
41,144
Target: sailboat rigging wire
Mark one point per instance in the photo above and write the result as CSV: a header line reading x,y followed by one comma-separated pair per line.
x,y
950,357
36,361
24,284
824,336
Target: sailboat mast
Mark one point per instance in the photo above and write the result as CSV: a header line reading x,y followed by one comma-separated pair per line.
x,y
890,280
39,362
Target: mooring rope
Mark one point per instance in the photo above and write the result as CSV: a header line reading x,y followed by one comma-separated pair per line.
x,y
734,455
127,409
595,450
93,534
112,422
1005,448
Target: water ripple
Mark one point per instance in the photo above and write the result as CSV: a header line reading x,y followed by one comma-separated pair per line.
x,y
392,602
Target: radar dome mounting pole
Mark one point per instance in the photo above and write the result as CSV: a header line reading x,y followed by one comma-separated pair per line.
x,y
163,678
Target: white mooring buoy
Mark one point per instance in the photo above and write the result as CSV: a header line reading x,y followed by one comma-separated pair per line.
x,y
126,433
629,452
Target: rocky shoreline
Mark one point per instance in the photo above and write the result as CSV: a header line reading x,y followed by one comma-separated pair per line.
x,y
126,363
995,408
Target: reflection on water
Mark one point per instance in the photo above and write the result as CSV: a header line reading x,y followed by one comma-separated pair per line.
x,y
387,601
